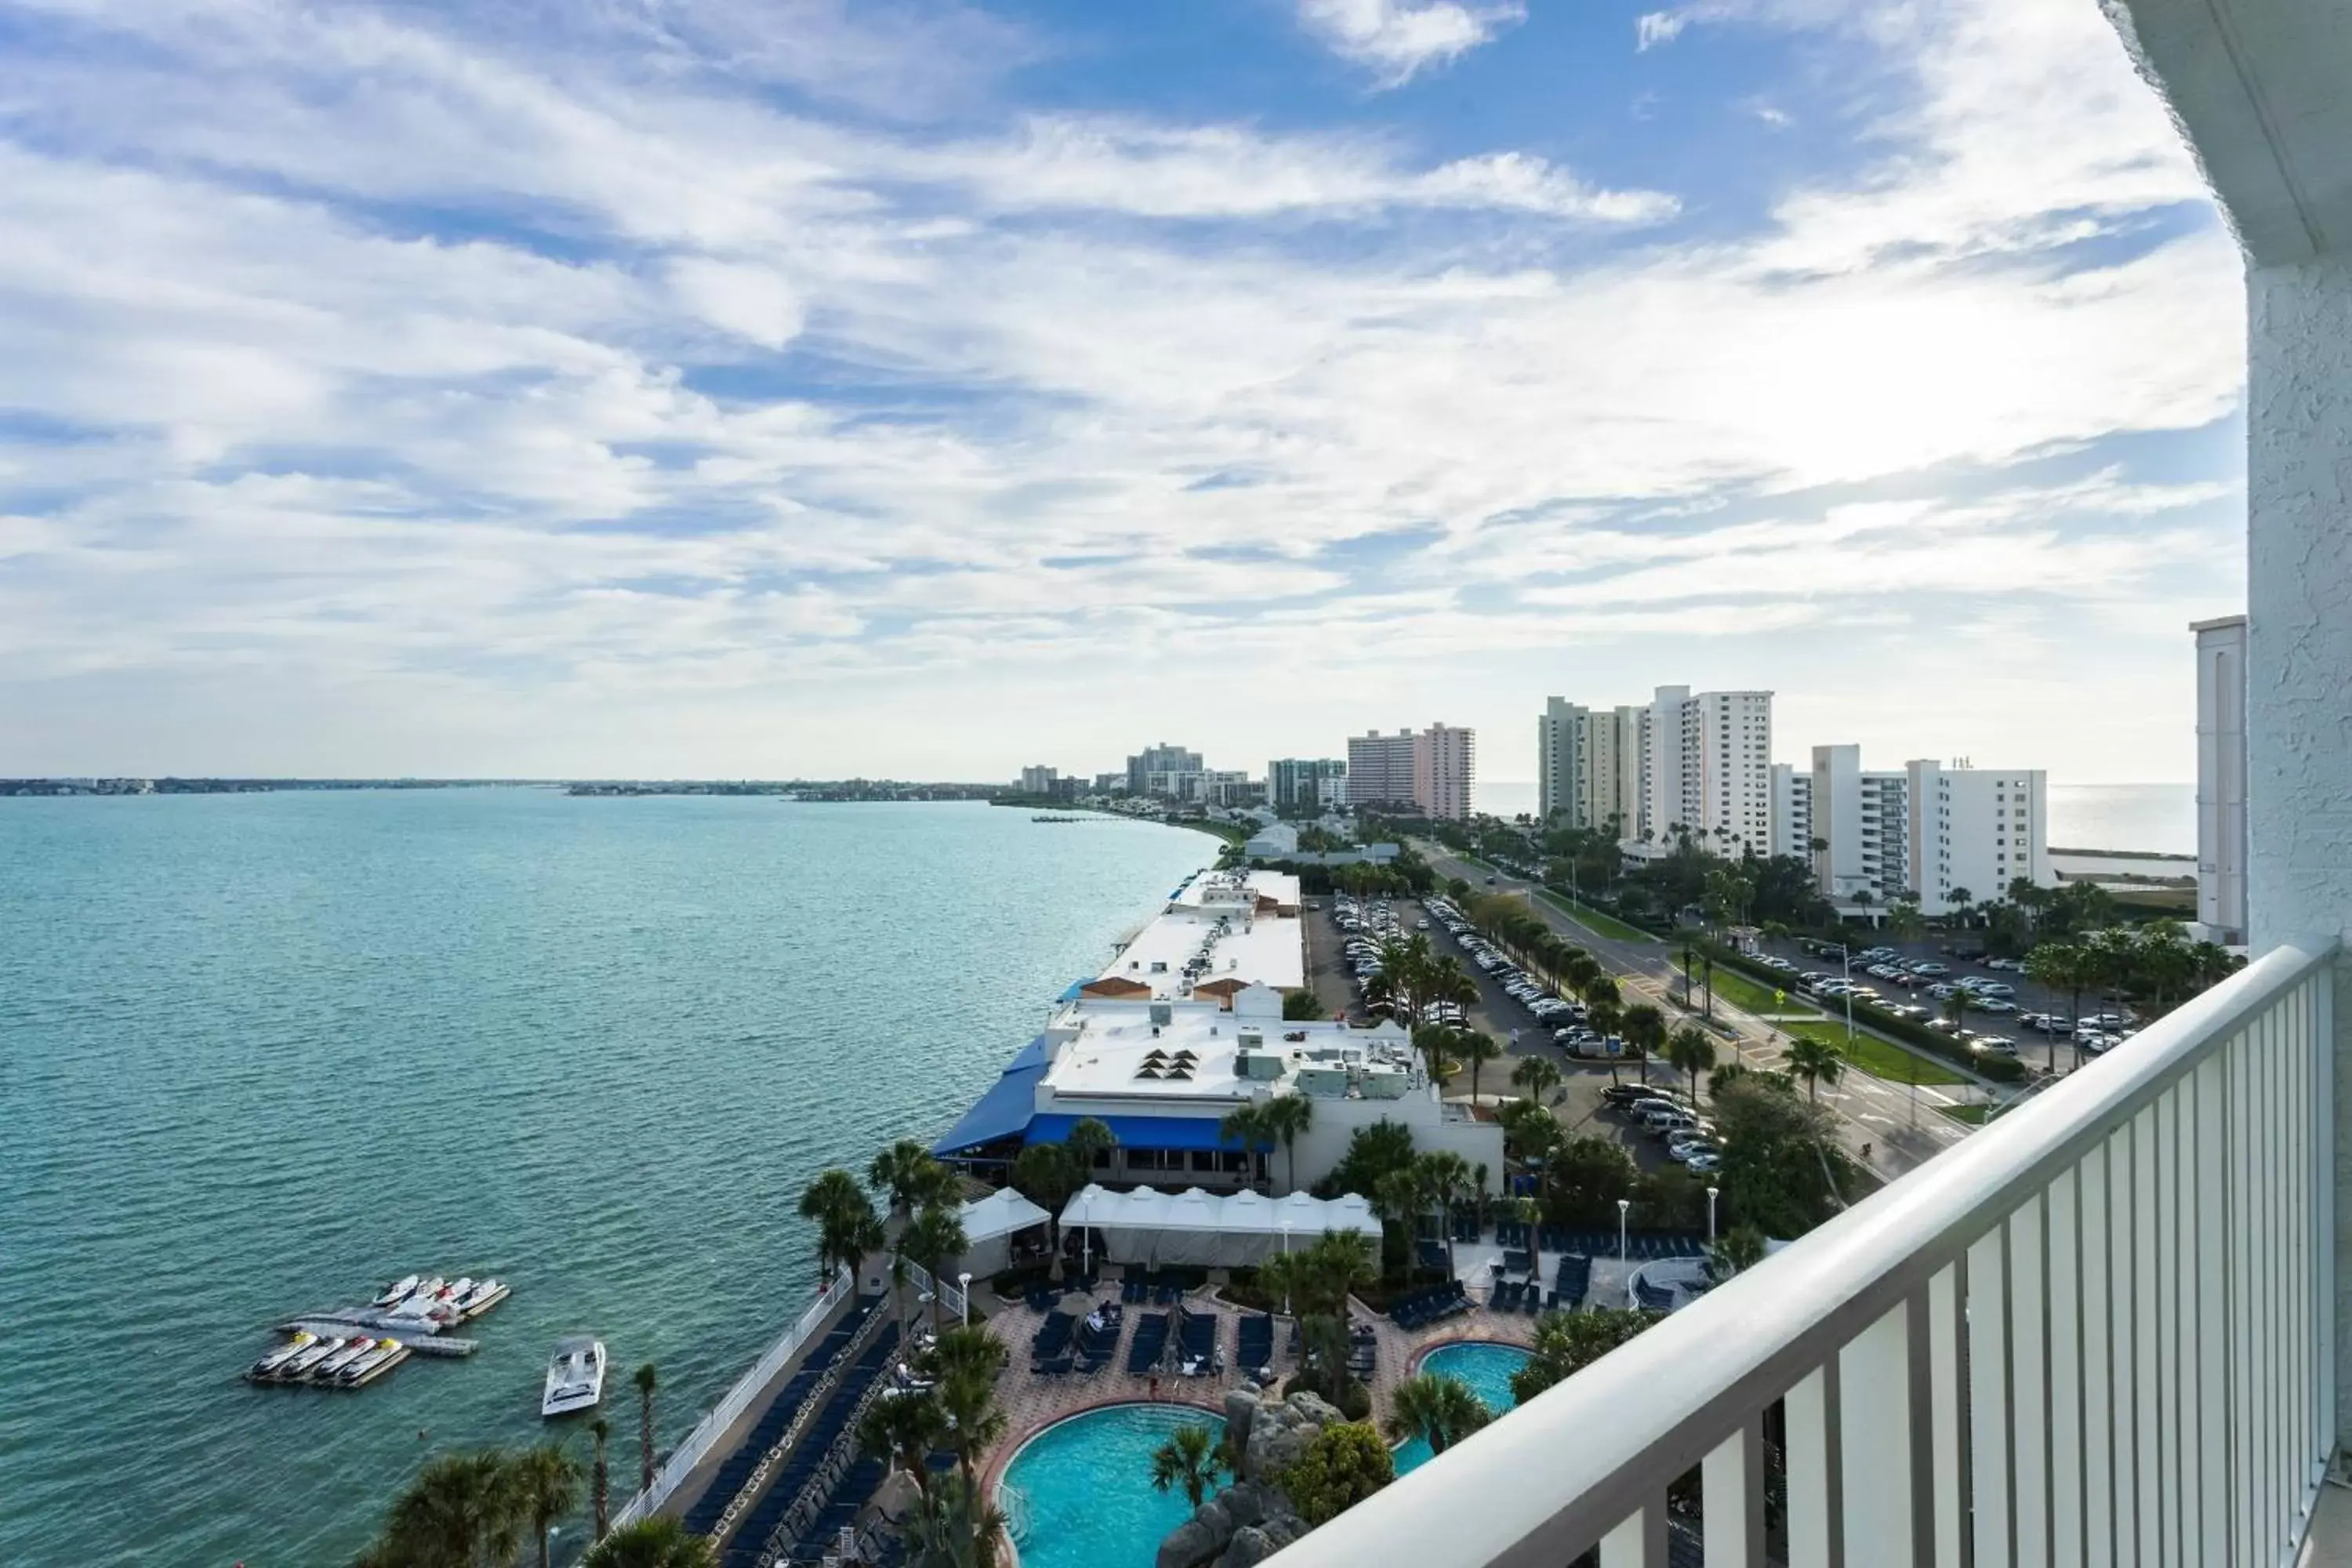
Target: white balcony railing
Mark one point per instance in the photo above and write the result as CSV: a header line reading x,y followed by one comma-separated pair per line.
x,y
2099,1330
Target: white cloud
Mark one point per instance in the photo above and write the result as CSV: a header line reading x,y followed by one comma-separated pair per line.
x,y
1652,28
1397,37
1034,428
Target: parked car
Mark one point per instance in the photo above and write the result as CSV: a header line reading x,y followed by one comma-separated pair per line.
x,y
1993,1045
1703,1165
1931,968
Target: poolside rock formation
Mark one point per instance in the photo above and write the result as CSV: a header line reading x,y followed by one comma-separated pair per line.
x,y
1252,1518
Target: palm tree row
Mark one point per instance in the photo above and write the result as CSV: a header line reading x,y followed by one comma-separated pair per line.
x,y
479,1510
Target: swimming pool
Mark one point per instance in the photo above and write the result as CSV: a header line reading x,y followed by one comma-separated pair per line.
x,y
1080,1494
1485,1367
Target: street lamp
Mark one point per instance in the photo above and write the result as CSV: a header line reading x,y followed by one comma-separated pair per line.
x,y
964,1280
1622,1205
1710,1215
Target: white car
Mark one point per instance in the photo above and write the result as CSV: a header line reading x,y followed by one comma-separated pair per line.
x,y
1703,1165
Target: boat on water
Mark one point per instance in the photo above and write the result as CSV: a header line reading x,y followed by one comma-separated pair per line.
x,y
311,1355
385,1355
268,1368
326,1370
575,1376
394,1294
485,1295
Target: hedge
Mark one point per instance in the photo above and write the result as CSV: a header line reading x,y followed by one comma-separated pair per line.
x,y
1999,1068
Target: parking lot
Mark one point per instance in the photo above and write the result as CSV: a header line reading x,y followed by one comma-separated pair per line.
x,y
1502,1018
1915,980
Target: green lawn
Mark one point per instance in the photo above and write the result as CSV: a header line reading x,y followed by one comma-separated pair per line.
x,y
1607,925
1973,1115
1741,990
1882,1059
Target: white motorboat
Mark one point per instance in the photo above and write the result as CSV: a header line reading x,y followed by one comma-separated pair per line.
x,y
268,1366
485,1295
456,1291
380,1360
393,1295
311,1356
575,1376
325,1370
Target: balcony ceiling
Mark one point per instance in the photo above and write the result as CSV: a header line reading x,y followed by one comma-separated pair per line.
x,y
2260,87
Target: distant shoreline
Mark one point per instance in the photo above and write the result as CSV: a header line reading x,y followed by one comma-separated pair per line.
x,y
2122,855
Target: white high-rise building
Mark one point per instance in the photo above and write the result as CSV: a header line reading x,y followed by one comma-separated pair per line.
x,y
1974,831
1708,769
2222,778
1793,812
1865,820
1588,765
1039,780
1444,768
1379,769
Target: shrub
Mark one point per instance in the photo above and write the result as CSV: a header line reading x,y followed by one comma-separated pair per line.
x,y
1340,1467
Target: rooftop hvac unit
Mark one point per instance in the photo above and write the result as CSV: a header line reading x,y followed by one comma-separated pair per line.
x,y
1162,1012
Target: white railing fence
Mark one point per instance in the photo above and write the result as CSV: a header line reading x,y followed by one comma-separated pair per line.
x,y
951,1297
2100,1331
713,1426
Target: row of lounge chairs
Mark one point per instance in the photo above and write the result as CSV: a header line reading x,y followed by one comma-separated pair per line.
x,y
1571,1279
777,1419
1255,1354
1514,1296
1151,1342
813,1455
1423,1308
1196,1344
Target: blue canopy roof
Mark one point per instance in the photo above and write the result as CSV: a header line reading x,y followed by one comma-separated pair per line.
x,y
1005,1111
1137,1131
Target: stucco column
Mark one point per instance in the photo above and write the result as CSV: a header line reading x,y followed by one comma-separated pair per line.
x,y
2299,662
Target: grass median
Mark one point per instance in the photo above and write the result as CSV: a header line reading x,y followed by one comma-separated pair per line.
x,y
1607,925
1883,1059
1742,992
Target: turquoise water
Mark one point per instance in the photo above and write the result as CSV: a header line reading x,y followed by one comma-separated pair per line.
x,y
1080,1494
1487,1368
259,1053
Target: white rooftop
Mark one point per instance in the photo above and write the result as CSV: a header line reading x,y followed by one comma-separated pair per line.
x,y
1115,1049
1226,921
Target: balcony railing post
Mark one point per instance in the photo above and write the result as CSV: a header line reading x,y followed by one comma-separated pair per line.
x,y
1731,1497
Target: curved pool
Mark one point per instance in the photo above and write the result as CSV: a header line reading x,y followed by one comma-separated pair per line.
x,y
1080,1494
1486,1366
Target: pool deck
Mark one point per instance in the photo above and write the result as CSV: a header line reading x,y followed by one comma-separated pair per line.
x,y
1032,1403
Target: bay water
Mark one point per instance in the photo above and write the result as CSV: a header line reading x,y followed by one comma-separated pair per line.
x,y
261,1053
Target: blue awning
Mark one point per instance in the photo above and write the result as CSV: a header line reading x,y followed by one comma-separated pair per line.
x,y
1076,986
1005,1111
1137,1131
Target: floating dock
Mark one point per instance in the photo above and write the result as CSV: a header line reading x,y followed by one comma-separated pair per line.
x,y
344,1325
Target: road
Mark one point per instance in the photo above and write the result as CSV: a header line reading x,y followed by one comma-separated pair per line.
x,y
1898,1123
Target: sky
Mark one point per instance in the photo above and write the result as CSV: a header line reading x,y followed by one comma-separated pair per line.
x,y
924,388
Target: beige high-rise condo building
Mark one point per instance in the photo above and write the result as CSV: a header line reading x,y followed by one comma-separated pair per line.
x,y
1678,765
1379,769
1590,764
1444,765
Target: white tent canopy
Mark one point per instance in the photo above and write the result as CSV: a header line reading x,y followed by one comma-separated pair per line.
x,y
1201,1228
991,1223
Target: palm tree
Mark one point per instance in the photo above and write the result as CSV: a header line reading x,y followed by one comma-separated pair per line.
x,y
1644,1028
1815,1061
1692,1051
903,1432
1602,1016
1045,1175
1090,1138
1188,1461
660,1542
1289,1115
1536,1077
976,1423
462,1509
1439,1410
1478,1049
546,1484
935,1234
600,1480
954,1529
910,1175
1247,1125
2063,966
833,1191
644,1380
1444,1176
